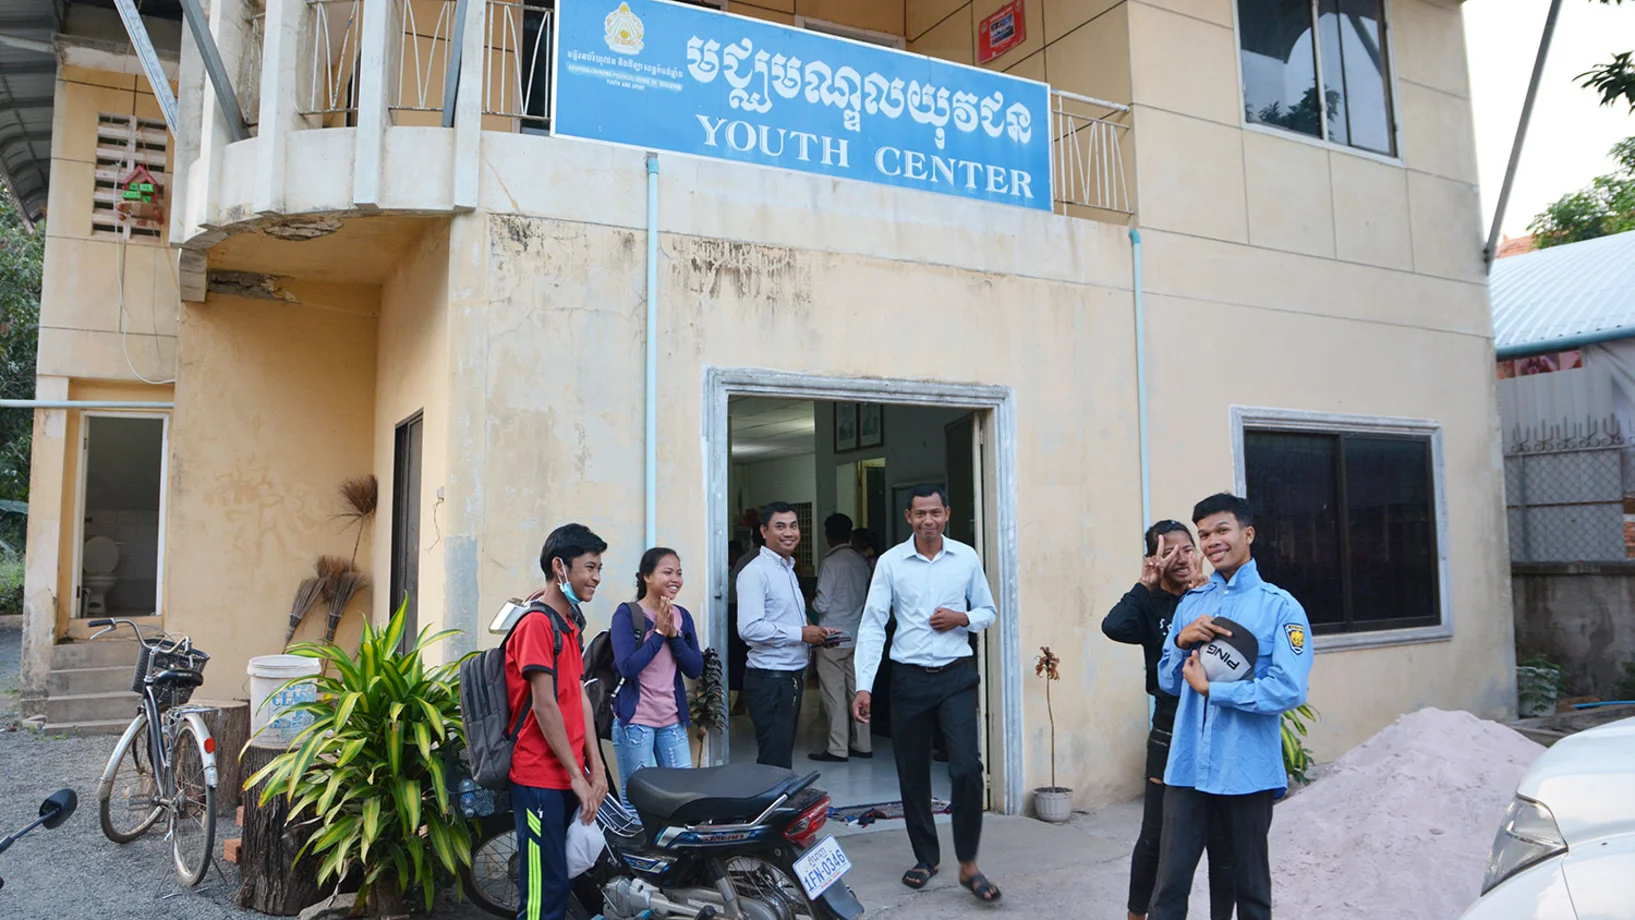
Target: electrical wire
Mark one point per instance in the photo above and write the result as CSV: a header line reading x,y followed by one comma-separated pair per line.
x,y
124,336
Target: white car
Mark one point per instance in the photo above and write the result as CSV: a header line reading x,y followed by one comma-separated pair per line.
x,y
1566,846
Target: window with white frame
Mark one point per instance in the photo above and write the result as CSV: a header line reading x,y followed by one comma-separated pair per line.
x,y
1297,52
1347,518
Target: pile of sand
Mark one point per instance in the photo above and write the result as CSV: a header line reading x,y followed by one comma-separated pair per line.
x,y
1401,825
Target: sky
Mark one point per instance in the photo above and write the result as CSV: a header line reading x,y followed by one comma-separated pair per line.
x,y
1570,133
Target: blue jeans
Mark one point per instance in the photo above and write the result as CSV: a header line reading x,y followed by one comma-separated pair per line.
x,y
638,746
542,817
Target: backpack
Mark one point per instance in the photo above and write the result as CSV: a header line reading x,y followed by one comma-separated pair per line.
x,y
602,680
491,727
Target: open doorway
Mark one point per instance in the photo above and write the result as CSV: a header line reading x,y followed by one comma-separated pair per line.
x,y
121,523
860,460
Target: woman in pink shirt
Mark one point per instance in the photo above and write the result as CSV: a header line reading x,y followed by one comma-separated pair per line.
x,y
652,654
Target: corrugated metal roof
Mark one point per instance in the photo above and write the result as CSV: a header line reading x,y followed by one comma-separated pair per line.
x,y
1578,289
28,81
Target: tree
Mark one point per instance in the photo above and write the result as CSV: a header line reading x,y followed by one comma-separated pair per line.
x,y
22,254
1615,79
1604,207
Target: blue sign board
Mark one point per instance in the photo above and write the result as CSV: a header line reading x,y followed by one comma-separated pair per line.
x,y
679,78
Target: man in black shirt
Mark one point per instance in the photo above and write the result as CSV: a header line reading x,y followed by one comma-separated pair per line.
x,y
1172,567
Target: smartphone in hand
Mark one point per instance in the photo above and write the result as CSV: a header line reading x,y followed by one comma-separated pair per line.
x,y
835,639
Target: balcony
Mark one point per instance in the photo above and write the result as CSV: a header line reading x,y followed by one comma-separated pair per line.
x,y
394,105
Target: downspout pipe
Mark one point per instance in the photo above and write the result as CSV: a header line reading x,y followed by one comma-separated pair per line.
x,y
652,433
1141,378
81,404
1565,343
1492,248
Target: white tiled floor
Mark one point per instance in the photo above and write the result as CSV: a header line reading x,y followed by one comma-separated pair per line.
x,y
857,782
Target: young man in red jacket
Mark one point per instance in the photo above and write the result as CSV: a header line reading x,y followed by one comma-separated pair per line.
x,y
557,765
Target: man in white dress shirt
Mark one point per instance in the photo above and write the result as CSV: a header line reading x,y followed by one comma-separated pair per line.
x,y
843,584
772,622
935,588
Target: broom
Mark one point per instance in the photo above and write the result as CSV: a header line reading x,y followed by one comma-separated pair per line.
x,y
362,495
345,586
329,569
305,597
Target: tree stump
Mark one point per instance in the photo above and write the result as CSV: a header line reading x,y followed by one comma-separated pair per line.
x,y
230,726
272,881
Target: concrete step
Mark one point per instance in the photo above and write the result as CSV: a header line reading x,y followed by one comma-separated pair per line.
x,y
97,727
80,708
80,681
103,653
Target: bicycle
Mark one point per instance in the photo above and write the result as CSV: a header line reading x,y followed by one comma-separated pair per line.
x,y
169,774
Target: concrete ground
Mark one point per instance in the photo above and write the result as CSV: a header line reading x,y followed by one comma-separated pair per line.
x,y
1075,870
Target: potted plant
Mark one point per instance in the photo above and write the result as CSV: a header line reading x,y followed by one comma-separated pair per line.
x,y
369,771
1053,803
1297,759
1538,684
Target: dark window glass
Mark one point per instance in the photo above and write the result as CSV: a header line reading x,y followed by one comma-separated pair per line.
x,y
1346,524
1353,54
1392,529
1279,64
1347,99
1291,483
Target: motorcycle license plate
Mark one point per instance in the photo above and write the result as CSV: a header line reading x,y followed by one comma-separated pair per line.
x,y
821,867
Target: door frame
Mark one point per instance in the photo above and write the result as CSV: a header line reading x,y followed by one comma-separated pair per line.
x,y
999,402
399,549
74,619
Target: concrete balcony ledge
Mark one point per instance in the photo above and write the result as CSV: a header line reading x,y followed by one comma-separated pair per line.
x,y
567,179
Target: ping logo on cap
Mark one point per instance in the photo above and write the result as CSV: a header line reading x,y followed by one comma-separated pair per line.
x,y
1229,658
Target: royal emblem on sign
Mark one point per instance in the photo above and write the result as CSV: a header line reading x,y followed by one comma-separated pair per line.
x,y
623,31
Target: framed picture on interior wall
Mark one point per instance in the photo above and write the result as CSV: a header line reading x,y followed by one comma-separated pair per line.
x,y
845,427
871,425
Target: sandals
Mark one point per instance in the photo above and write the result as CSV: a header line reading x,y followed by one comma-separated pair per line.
x,y
979,885
919,876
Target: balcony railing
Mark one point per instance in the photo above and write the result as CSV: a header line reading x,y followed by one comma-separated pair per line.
x,y
1090,170
334,31
516,62
427,34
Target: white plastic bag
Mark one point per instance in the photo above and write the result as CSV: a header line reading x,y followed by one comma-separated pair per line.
x,y
585,844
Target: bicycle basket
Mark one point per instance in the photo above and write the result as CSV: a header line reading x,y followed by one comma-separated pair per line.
x,y
168,693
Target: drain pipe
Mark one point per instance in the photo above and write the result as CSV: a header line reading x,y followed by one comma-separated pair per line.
x,y
652,433
1491,250
1141,378
81,404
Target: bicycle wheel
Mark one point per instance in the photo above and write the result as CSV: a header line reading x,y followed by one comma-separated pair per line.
x,y
129,806
491,879
193,810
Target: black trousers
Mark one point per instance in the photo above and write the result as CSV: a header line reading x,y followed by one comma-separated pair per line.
x,y
774,706
1188,814
924,702
1144,861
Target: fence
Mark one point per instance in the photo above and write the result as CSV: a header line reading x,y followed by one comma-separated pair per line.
x,y
517,62
1089,152
334,31
1564,492
423,54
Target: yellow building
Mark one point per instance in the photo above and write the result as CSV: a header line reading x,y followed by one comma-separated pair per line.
x,y
1288,298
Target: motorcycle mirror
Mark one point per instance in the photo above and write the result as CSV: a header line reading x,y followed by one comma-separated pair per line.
x,y
56,809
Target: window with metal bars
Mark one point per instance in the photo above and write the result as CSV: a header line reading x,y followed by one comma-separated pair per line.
x,y
1320,68
1346,522
125,142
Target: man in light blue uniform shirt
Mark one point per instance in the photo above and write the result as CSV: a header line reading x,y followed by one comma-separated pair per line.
x,y
935,589
1226,755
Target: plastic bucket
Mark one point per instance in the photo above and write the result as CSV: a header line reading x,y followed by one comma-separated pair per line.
x,y
271,725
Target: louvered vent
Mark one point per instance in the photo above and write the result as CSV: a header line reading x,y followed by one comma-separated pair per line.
x,y
125,142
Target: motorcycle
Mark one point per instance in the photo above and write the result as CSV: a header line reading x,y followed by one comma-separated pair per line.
x,y
741,841
53,812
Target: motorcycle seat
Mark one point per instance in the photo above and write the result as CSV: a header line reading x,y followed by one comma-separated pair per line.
x,y
719,795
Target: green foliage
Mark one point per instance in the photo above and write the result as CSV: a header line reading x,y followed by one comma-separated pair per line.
x,y
1614,80
1604,207
22,254
11,583
1297,759
370,770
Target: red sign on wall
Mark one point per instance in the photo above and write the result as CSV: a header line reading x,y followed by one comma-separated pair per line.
x,y
1001,32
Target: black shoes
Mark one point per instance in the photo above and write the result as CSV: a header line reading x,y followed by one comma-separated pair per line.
x,y
826,757
862,755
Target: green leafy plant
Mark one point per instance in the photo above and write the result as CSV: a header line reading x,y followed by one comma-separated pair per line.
x,y
369,771
1297,759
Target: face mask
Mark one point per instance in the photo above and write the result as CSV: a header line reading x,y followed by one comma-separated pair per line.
x,y
567,592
